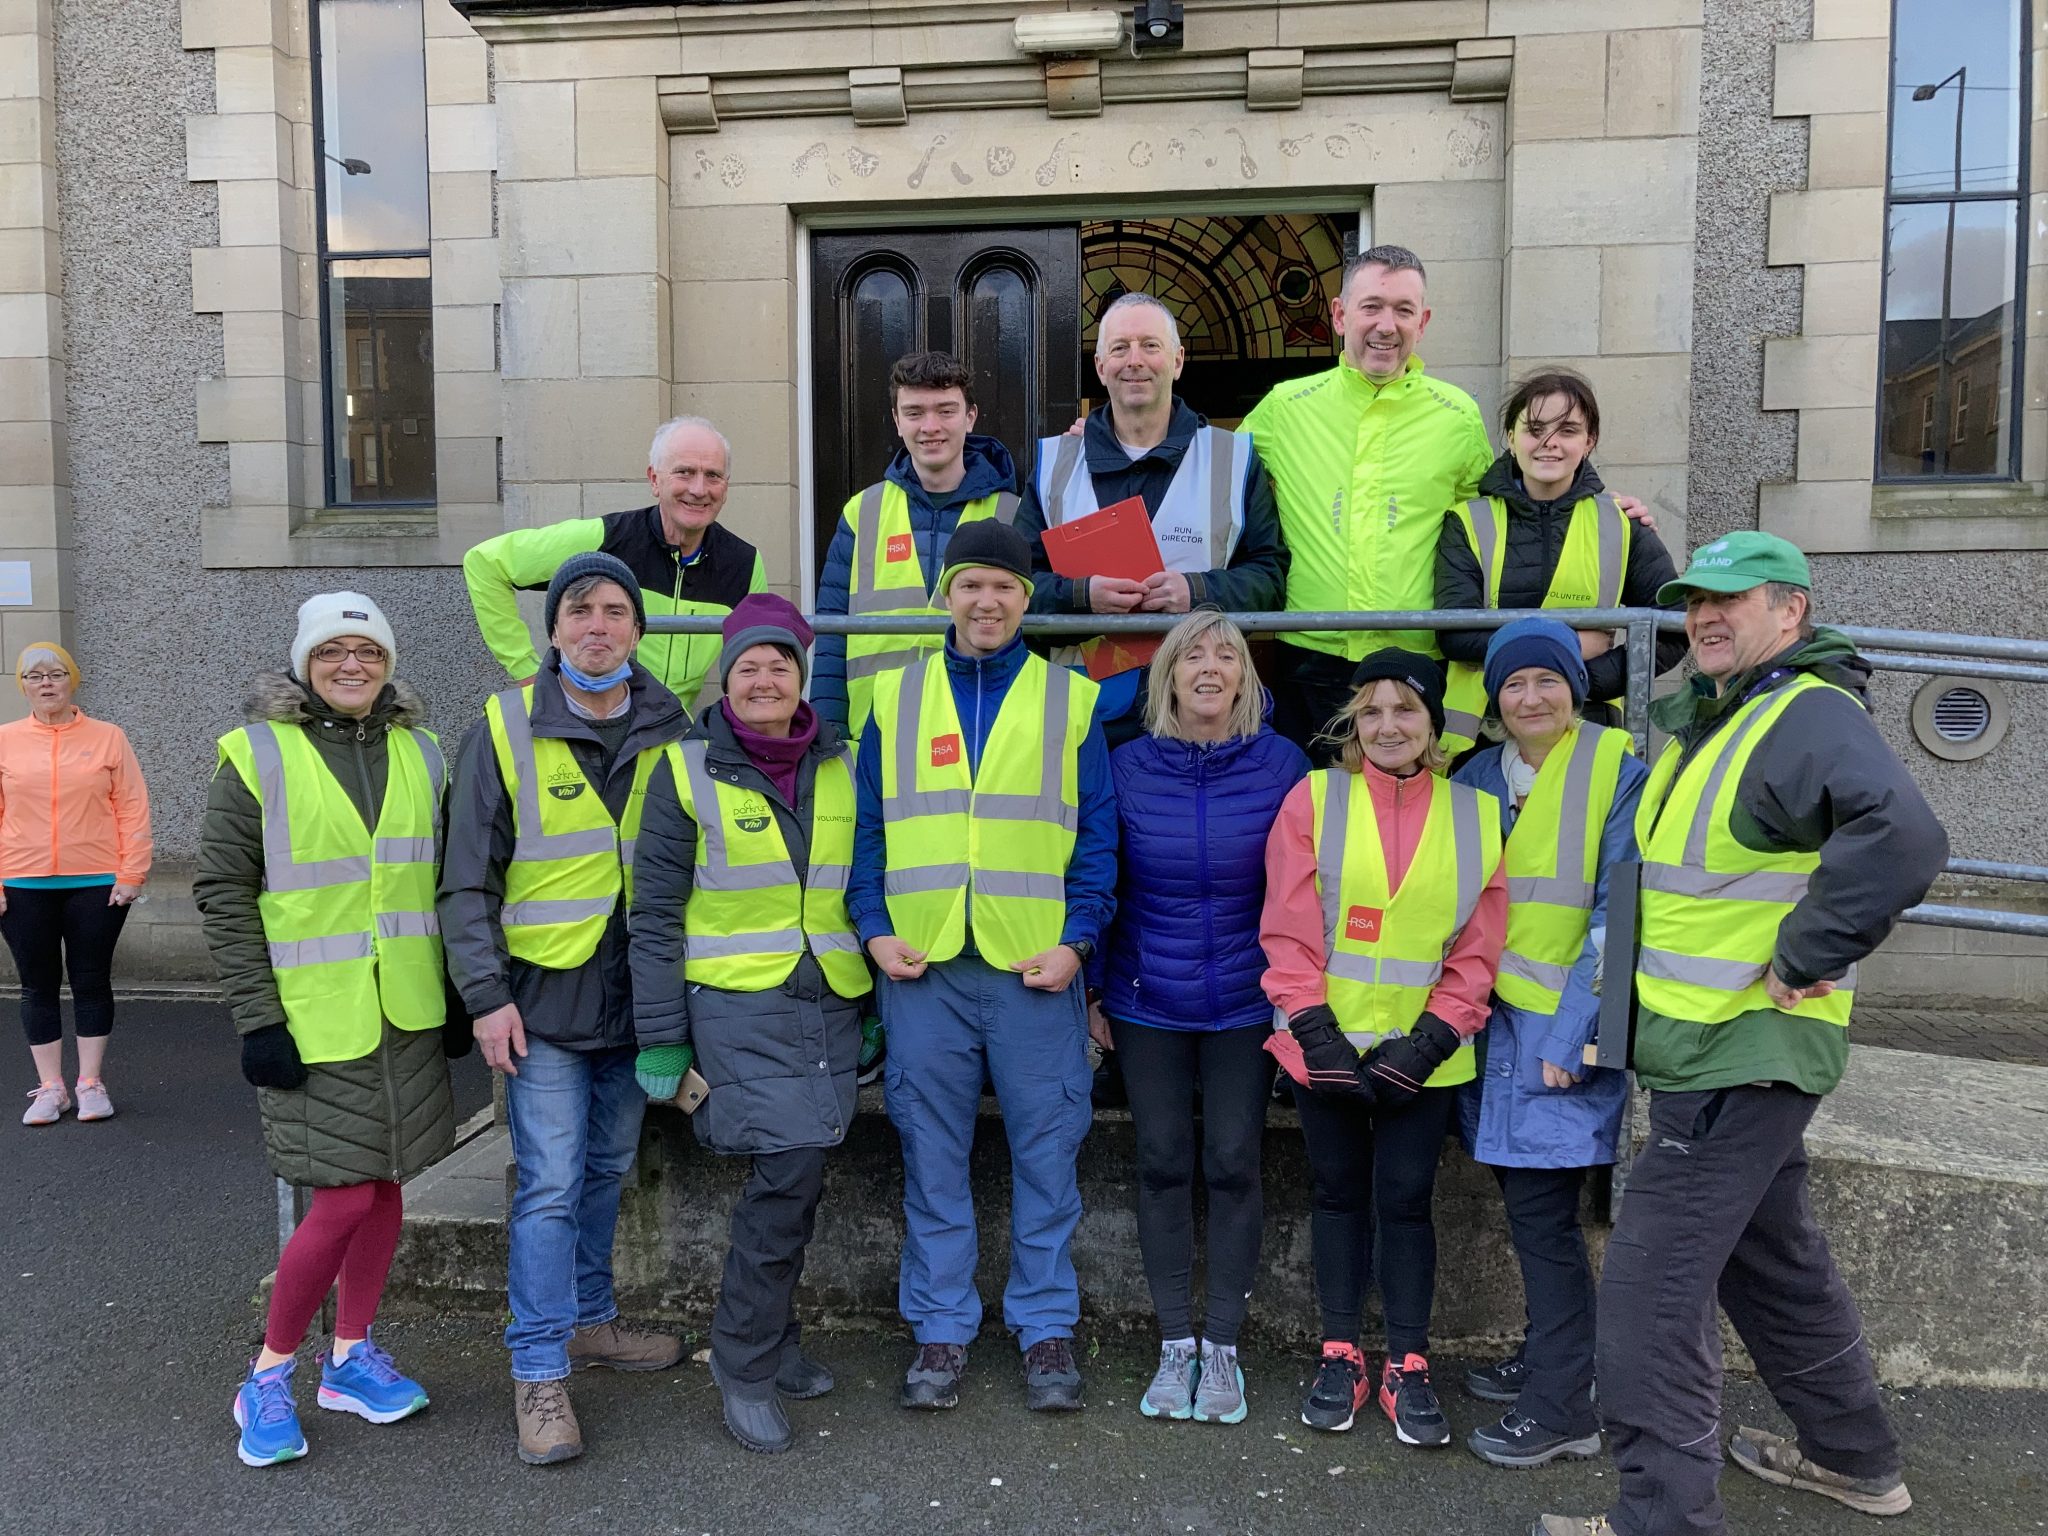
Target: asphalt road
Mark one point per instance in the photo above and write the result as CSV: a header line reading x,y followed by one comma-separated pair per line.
x,y
129,1252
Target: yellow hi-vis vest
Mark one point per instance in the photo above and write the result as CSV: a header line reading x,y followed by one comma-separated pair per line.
x,y
749,917
1711,906
1553,857
1385,949
1005,834
889,579
570,861
1590,571
348,912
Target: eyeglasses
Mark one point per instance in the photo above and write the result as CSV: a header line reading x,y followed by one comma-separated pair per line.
x,y
330,654
46,677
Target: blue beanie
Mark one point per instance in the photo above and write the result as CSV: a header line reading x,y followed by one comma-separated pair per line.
x,y
1534,643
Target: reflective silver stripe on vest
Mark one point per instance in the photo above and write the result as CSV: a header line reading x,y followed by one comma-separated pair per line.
x,y
1010,882
717,872
408,925
1486,530
1469,851
1066,460
1700,970
1576,793
1393,973
1539,972
734,946
281,872
405,850
919,878
628,846
1461,722
1766,885
528,841
878,662
1613,559
285,954
862,598
1222,490
1551,891
1046,806
1330,858
539,914
829,877
834,944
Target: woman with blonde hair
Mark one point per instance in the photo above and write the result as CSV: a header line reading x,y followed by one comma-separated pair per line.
x,y
74,852
1177,995
1385,909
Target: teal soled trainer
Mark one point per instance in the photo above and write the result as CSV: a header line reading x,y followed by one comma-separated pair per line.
x,y
268,1418
368,1385
1219,1394
1172,1393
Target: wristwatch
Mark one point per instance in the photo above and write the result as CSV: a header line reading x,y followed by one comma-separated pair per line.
x,y
1084,949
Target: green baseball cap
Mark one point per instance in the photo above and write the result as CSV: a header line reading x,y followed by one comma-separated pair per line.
x,y
1738,562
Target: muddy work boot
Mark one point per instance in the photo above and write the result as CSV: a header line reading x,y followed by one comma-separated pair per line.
x,y
1778,1460
619,1348
548,1431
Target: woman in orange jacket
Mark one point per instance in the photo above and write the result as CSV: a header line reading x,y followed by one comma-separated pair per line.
x,y
74,851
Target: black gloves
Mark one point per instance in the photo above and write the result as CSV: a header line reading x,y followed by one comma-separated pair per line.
x,y
1331,1061
1397,1068
270,1058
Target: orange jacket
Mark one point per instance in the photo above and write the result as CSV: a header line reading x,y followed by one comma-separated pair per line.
x,y
72,801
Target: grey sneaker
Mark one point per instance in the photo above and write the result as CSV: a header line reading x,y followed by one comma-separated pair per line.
x,y
93,1103
1778,1460
1219,1395
933,1380
1172,1393
46,1105
1052,1381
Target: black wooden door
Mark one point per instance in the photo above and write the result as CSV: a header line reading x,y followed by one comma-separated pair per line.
x,y
1007,302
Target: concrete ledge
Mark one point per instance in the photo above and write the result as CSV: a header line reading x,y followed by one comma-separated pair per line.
x,y
1929,1176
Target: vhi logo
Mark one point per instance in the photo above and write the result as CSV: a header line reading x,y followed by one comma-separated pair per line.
x,y
566,782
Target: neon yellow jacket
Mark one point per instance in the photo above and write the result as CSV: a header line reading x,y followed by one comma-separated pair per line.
x,y
1363,474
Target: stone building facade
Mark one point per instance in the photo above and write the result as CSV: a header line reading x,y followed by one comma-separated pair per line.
x,y
1685,199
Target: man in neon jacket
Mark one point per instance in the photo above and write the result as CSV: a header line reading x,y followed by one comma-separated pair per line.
x,y
684,561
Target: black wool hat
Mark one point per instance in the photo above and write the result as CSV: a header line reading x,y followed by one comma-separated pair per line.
x,y
1422,673
986,542
593,562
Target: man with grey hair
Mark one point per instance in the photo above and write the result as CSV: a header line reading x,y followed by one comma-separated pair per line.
x,y
1203,488
685,562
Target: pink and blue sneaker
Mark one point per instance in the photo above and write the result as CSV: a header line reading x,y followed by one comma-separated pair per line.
x,y
369,1386
268,1418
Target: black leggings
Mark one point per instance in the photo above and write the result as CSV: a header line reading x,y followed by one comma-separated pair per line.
x,y
50,930
1162,1069
1375,1171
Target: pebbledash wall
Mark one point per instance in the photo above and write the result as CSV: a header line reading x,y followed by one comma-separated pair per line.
x,y
1680,197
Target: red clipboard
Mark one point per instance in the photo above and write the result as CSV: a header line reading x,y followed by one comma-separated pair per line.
x,y
1115,541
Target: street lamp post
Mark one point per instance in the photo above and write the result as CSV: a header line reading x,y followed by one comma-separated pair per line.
x,y
1944,427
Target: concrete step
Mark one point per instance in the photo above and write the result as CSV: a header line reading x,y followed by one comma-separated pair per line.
x,y
1929,1175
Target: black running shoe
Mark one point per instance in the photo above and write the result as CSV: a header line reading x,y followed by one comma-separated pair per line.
x,y
1340,1387
1517,1441
1407,1398
1052,1381
1499,1383
933,1380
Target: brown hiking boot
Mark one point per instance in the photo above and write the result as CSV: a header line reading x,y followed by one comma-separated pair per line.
x,y
1572,1525
1778,1460
623,1349
548,1431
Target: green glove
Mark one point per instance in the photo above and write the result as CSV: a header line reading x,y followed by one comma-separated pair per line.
x,y
660,1069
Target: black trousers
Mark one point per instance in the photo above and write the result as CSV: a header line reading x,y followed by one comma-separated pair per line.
x,y
1163,1069
1557,1286
50,931
771,1227
1308,688
1374,1176
1716,1208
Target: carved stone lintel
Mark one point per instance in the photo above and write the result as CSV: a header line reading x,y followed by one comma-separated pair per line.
x,y
686,104
1272,79
1483,68
877,97
1073,88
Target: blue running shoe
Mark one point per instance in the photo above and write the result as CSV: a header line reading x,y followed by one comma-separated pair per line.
x,y
369,1386
268,1418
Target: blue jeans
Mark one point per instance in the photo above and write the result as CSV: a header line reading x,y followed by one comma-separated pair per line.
x,y
575,1120
961,1020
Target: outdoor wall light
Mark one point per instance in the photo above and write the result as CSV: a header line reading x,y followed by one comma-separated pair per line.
x,y
1156,25
1070,32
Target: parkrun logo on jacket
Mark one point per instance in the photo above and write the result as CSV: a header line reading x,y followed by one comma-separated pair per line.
x,y
566,782
1363,924
751,815
945,750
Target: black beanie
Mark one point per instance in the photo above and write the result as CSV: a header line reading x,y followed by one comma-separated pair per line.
x,y
593,562
986,542
1422,673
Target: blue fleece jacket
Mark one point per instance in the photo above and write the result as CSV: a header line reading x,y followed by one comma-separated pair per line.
x,y
1508,1118
979,685
932,521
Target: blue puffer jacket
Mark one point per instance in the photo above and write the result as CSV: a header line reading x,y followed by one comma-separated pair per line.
x,y
1183,951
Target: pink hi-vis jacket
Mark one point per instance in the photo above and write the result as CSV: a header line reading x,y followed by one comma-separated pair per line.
x,y
1291,927
72,801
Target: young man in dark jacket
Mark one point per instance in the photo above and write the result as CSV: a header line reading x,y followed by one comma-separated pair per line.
x,y
533,917
1753,921
1204,489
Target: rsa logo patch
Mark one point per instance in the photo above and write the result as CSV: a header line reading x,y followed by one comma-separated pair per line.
x,y
751,815
1363,924
566,782
898,548
945,750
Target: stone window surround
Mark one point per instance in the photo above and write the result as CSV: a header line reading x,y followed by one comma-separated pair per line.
x,y
263,280
1840,80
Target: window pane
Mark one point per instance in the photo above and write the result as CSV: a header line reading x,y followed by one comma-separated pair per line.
x,y
1946,52
380,380
373,106
1948,369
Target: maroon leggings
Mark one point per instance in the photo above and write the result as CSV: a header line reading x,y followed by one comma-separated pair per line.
x,y
350,1232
